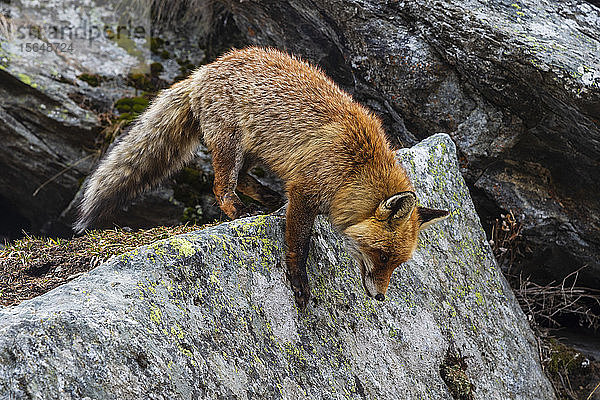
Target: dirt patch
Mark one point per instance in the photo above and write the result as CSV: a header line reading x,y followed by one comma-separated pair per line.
x,y
33,266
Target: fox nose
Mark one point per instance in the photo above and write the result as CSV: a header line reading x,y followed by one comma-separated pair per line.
x,y
380,297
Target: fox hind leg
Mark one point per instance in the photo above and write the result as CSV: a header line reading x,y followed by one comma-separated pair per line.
x,y
227,162
251,187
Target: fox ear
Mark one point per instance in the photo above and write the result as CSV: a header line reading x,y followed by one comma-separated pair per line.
x,y
428,216
399,205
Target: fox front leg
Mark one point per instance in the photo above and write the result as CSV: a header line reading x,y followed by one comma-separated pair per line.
x,y
298,226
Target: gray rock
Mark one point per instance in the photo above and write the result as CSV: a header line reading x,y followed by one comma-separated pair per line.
x,y
515,84
208,315
50,119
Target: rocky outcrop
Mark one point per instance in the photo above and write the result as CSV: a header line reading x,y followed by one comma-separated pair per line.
x,y
208,315
515,83
55,102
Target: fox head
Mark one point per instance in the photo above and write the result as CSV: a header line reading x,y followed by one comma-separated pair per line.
x,y
388,238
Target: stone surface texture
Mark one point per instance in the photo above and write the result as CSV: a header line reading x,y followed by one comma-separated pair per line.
x,y
208,315
51,120
516,84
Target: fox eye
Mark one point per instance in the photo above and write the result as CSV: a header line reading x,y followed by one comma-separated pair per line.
x,y
383,258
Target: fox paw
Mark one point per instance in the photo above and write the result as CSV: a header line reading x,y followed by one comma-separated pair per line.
x,y
302,296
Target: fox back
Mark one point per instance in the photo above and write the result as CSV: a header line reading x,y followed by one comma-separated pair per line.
x,y
263,105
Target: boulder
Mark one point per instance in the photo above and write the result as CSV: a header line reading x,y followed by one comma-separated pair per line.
x,y
209,315
516,84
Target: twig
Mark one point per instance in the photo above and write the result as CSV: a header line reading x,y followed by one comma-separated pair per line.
x,y
61,172
593,391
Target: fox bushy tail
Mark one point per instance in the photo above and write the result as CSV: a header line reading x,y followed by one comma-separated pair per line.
x,y
161,141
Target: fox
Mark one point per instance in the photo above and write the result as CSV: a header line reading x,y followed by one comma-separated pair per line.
x,y
261,105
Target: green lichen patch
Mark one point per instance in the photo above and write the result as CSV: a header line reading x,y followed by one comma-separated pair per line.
x,y
26,79
183,247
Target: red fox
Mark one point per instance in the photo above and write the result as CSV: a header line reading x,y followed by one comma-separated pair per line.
x,y
263,105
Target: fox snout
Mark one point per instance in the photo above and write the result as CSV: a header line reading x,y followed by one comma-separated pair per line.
x,y
376,282
374,287
388,238
378,293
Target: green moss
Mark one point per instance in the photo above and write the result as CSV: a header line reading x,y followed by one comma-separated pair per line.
x,y
139,108
193,215
563,359
165,55
155,44
127,117
142,82
156,68
132,105
91,79
453,372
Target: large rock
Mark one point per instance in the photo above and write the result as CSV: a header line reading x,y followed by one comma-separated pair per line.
x,y
515,83
208,315
53,104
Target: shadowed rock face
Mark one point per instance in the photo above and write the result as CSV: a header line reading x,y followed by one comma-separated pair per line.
x,y
41,136
51,118
515,84
208,315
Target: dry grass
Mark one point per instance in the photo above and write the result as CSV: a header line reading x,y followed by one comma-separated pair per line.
x,y
570,372
180,13
32,266
546,304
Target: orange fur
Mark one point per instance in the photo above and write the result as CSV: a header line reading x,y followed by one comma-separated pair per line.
x,y
263,105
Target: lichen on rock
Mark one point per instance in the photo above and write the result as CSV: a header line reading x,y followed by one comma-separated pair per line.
x,y
209,315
